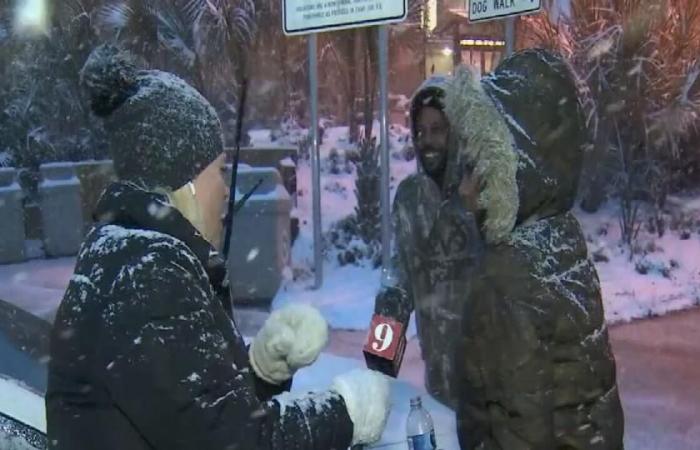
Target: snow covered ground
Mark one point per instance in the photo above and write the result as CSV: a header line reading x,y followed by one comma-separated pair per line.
x,y
319,376
37,286
22,404
347,296
663,277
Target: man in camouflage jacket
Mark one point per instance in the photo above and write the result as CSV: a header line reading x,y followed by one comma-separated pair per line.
x,y
436,243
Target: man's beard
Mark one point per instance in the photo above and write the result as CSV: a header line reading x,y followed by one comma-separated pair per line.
x,y
434,162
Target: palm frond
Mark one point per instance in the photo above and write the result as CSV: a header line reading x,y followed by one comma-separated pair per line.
x,y
115,15
225,28
193,9
175,32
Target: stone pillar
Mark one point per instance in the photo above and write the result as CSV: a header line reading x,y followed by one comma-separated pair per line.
x,y
61,209
12,234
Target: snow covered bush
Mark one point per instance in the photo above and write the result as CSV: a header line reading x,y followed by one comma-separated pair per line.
x,y
646,265
639,74
290,132
344,242
408,152
305,149
341,161
356,239
336,188
683,224
600,255
367,211
334,161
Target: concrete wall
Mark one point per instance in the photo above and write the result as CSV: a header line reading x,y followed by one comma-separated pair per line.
x,y
68,194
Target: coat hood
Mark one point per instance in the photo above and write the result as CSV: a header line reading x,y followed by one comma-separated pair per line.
x,y
521,130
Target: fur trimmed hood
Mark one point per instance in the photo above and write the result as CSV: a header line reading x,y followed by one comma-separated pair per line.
x,y
521,130
485,144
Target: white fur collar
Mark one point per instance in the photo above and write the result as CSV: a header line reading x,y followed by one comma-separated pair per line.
x,y
485,142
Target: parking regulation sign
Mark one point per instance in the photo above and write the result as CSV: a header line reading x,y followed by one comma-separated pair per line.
x,y
311,16
483,10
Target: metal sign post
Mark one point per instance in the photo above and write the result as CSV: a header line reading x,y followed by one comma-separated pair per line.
x,y
384,190
313,16
315,162
510,35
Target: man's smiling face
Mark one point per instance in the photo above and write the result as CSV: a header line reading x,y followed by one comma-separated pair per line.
x,y
431,140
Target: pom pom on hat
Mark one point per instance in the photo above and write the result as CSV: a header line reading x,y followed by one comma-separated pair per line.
x,y
109,77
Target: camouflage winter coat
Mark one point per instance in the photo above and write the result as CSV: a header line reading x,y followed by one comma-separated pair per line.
x,y
535,366
436,245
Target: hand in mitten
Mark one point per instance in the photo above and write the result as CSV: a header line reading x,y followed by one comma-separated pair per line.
x,y
366,396
291,338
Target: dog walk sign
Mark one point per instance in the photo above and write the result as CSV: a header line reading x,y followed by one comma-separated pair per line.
x,y
483,10
312,16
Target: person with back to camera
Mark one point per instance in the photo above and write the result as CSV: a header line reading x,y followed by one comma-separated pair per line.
x,y
534,364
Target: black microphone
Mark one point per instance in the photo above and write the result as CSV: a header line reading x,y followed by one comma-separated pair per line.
x,y
385,343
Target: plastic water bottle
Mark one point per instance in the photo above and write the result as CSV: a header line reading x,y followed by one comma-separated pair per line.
x,y
419,428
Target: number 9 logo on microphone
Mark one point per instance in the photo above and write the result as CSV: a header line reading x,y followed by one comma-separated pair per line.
x,y
384,336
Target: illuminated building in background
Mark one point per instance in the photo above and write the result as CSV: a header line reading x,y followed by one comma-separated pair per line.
x,y
481,45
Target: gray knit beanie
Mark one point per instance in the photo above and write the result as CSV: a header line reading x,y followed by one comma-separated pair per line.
x,y
162,133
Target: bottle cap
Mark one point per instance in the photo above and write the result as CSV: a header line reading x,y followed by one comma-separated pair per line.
x,y
416,402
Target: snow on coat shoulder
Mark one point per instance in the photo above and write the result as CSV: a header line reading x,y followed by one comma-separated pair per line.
x,y
109,240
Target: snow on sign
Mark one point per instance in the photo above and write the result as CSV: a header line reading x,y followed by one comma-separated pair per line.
x,y
482,10
311,16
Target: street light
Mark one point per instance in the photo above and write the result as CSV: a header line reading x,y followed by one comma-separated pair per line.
x,y
31,17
